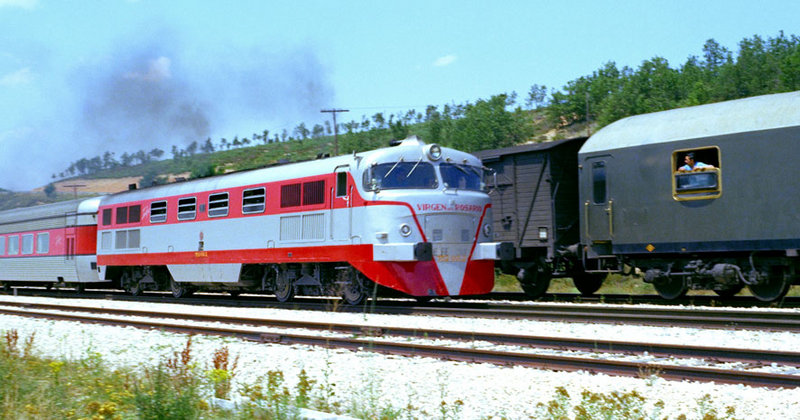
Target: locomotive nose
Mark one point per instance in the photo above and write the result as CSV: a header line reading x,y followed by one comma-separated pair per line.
x,y
452,237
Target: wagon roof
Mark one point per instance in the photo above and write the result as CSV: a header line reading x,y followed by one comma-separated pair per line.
x,y
738,116
496,153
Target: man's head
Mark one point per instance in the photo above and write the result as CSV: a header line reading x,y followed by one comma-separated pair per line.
x,y
689,159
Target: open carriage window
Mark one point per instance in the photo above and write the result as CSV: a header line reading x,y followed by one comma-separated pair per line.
x,y
697,174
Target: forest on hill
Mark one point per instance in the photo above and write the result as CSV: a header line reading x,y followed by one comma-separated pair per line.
x,y
758,66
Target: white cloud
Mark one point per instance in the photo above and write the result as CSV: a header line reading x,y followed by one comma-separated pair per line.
x,y
23,4
157,70
445,60
19,77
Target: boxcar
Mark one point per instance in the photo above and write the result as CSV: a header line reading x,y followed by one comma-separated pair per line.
x,y
723,224
535,203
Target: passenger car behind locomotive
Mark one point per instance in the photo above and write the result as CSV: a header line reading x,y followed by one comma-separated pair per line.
x,y
731,224
413,218
622,202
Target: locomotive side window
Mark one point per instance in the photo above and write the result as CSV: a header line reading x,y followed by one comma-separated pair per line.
x,y
13,245
134,213
253,200
187,208
158,211
106,217
599,182
27,244
218,205
313,192
290,195
341,184
43,243
696,174
122,215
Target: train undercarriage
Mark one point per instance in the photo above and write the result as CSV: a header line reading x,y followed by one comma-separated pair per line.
x,y
285,281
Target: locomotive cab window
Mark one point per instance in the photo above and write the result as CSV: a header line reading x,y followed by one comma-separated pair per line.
x,y
341,184
696,174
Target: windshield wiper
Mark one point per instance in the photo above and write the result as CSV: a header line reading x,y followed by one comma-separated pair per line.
x,y
415,167
394,166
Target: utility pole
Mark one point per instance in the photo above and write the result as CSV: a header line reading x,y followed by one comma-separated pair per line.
x,y
74,188
334,111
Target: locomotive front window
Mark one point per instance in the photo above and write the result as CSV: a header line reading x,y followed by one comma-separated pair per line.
x,y
401,175
462,177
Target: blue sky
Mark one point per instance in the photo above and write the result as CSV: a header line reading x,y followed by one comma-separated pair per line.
x,y
78,78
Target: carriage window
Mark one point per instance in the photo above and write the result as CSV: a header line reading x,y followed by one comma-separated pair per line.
x,y
313,192
106,217
696,174
43,243
13,245
253,200
122,215
341,184
290,195
187,208
599,182
158,212
2,245
27,244
134,213
218,205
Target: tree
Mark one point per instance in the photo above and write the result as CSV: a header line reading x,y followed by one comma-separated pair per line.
x,y
50,190
487,124
301,131
265,137
537,97
208,146
156,153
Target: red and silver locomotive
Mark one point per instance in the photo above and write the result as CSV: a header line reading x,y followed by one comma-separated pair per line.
x,y
413,218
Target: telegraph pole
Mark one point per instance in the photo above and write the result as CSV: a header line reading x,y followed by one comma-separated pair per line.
x,y
334,111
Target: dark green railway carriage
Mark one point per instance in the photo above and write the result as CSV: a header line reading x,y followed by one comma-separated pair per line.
x,y
729,223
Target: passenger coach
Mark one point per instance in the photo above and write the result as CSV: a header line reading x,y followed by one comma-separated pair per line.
x,y
702,197
49,244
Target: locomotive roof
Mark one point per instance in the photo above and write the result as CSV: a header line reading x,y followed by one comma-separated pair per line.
x,y
742,115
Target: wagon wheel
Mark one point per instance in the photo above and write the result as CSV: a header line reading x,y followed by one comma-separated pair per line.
x,y
80,288
351,285
670,287
130,284
234,293
178,290
535,279
588,283
6,287
730,291
774,286
284,289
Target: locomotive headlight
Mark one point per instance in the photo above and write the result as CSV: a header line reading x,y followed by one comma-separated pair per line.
x,y
434,152
487,230
405,229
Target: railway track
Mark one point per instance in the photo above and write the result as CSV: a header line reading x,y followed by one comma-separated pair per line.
x,y
385,340
693,317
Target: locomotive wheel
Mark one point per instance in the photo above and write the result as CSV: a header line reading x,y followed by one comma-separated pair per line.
x,y
670,287
352,287
534,280
284,289
774,287
730,291
588,283
130,284
178,289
